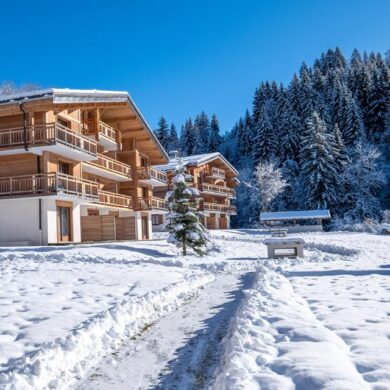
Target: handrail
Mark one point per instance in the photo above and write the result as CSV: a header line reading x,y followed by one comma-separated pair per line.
x,y
219,189
147,173
46,184
216,172
48,133
215,207
107,130
114,199
112,165
158,203
149,202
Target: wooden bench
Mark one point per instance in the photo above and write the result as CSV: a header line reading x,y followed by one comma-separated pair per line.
x,y
287,247
279,232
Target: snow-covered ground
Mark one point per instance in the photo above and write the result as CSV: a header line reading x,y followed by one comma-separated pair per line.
x,y
138,315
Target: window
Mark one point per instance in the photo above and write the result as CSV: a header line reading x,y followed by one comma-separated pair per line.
x,y
64,168
156,219
145,192
62,122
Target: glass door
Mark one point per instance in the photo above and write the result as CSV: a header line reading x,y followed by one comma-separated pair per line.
x,y
64,226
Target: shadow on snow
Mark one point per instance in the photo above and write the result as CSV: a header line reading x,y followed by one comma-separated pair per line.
x,y
195,363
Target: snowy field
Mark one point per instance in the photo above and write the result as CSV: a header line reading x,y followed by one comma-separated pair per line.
x,y
106,315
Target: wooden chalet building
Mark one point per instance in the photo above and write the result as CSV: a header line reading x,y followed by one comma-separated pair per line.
x,y
76,165
216,180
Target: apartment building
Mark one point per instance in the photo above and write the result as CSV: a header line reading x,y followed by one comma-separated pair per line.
x,y
76,166
216,180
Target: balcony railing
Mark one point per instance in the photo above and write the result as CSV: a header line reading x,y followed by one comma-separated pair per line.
x,y
218,189
112,165
47,184
116,200
107,131
149,203
46,134
149,173
219,207
89,128
216,172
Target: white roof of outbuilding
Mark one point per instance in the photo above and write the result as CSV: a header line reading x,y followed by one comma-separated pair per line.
x,y
196,159
293,215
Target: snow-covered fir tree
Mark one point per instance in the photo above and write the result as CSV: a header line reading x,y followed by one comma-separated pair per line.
x,y
318,166
184,227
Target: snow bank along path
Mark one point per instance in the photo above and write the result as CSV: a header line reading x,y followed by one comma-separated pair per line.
x,y
61,361
276,342
182,350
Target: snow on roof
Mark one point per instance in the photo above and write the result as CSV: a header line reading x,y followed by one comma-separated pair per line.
x,y
291,215
66,95
196,159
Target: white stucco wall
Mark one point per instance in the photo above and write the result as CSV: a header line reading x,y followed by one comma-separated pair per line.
x,y
19,221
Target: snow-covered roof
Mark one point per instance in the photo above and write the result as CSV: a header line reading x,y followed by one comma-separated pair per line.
x,y
293,215
66,95
195,160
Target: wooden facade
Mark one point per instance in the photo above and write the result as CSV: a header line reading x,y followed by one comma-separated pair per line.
x,y
216,180
91,148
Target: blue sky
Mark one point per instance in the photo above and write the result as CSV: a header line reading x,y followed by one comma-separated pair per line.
x,y
179,57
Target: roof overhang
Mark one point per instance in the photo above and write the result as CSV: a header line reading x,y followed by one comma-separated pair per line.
x,y
79,96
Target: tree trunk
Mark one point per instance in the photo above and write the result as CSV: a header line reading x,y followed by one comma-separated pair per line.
x,y
184,248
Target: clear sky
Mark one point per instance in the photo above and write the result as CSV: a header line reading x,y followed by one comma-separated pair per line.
x,y
178,57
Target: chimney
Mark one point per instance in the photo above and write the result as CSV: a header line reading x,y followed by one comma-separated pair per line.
x,y
173,154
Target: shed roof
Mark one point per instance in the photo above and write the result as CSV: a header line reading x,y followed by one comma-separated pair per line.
x,y
295,215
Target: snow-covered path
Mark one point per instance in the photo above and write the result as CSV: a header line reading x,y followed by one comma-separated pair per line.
x,y
180,351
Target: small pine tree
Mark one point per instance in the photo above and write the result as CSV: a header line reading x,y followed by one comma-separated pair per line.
x,y
184,227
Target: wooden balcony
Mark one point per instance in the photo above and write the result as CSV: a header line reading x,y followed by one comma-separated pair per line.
x,y
109,168
220,190
150,203
216,173
151,176
221,208
52,137
105,134
47,184
115,200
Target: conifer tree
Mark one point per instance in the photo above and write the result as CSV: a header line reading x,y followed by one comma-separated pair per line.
x,y
173,138
318,175
215,137
185,230
162,133
353,130
188,139
202,129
